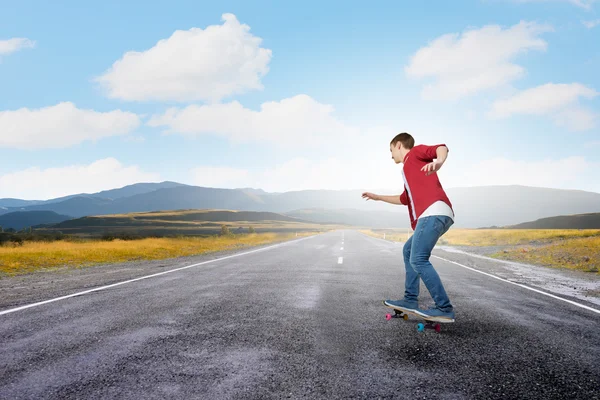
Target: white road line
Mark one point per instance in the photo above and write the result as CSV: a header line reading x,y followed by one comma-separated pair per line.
x,y
342,248
148,276
505,280
340,260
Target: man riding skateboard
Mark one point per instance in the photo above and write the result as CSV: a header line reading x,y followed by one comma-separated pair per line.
x,y
431,215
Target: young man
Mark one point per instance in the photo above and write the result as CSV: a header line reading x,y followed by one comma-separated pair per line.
x,y
431,215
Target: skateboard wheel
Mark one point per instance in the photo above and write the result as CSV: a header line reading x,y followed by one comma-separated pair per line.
x,y
388,316
405,317
438,328
420,327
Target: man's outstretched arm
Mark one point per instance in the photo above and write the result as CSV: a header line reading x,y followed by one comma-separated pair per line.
x,y
402,199
395,199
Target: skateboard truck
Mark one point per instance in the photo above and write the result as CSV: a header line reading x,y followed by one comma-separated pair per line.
x,y
397,314
420,326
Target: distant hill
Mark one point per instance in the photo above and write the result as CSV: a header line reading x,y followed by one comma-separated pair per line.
x,y
5,203
24,219
182,216
75,206
474,206
138,188
579,221
126,191
180,222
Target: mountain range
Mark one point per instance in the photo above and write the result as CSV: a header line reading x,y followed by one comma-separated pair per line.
x,y
578,221
474,207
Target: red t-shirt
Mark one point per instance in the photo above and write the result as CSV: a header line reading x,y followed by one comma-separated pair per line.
x,y
420,190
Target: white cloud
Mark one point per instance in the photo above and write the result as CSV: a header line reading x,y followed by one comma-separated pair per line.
x,y
41,184
576,119
567,173
591,24
560,101
196,64
585,4
477,60
297,121
301,173
61,125
15,44
377,171
134,139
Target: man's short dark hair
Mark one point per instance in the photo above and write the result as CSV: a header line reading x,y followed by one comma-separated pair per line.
x,y
408,142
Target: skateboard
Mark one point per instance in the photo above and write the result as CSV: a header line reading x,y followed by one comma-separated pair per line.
x,y
430,323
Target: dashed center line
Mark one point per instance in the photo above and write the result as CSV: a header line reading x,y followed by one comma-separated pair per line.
x,y
340,260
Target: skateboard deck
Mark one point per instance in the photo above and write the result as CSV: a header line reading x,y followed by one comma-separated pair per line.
x,y
430,322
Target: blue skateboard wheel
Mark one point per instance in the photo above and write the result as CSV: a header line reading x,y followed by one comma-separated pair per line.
x,y
420,327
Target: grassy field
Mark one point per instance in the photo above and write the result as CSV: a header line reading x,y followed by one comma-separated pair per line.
x,y
575,249
34,256
576,253
556,248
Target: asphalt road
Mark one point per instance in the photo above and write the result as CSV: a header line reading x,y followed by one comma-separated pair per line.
x,y
300,320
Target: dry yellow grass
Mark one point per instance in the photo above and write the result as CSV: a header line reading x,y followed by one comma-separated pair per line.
x,y
32,256
504,237
494,237
576,253
557,248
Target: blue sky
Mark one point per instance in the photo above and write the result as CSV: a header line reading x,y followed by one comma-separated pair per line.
x,y
284,96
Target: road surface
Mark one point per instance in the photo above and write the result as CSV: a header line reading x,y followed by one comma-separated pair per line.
x,y
302,319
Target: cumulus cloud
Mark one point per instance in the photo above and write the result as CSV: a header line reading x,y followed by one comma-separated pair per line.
x,y
304,173
15,44
585,4
41,184
476,60
198,64
591,24
62,125
295,121
378,172
560,101
574,172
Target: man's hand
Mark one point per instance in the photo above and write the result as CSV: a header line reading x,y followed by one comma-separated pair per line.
x,y
432,167
370,196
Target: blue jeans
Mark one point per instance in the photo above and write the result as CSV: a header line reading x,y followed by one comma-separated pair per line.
x,y
417,251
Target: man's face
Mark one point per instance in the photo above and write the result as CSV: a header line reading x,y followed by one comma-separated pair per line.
x,y
396,153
